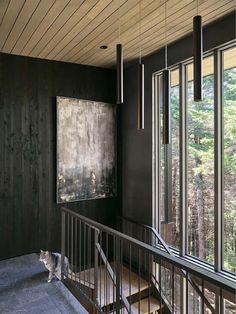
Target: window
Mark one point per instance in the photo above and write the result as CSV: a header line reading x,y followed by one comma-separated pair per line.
x,y
200,165
194,177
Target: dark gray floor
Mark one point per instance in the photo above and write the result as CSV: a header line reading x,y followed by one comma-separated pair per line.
x,y
24,289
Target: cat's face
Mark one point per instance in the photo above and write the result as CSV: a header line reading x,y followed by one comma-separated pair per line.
x,y
43,255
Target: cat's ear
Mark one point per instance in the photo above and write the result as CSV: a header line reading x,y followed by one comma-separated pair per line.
x,y
41,251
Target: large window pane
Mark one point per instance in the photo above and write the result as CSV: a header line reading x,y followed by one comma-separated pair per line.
x,y
174,216
229,160
170,169
200,182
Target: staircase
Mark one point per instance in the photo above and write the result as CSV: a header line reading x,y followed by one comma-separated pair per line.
x,y
136,289
136,272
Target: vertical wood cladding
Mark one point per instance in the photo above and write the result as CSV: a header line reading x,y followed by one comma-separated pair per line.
x,y
29,215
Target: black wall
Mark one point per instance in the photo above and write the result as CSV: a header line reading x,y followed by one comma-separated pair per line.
x,y
137,144
29,215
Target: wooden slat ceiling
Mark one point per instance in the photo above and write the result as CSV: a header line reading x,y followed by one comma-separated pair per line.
x,y
73,30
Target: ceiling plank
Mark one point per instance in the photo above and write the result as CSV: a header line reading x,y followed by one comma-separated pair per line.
x,y
20,24
3,5
57,25
47,21
66,44
59,36
10,16
32,25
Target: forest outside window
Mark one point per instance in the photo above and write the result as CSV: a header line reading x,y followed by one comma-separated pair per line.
x,y
194,177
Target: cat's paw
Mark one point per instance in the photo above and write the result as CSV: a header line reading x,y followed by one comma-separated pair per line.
x,y
49,280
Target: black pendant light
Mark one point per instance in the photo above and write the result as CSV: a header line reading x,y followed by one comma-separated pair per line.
x,y
166,107
140,102
119,71
166,93
197,56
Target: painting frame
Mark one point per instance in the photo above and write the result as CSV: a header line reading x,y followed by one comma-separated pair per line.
x,y
102,181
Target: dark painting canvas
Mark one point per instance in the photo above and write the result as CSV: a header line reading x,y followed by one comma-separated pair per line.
x,y
86,149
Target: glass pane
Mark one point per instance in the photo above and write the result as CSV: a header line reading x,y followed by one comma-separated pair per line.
x,y
162,153
230,307
229,160
174,218
200,120
169,161
210,296
194,300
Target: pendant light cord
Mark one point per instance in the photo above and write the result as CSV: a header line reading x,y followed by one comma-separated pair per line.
x,y
119,22
140,47
166,34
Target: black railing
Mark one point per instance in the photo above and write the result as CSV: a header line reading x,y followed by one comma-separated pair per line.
x,y
112,272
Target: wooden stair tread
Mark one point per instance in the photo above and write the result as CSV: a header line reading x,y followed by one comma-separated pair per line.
x,y
144,307
147,305
131,283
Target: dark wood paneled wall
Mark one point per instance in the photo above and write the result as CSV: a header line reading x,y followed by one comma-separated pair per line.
x,y
137,144
29,215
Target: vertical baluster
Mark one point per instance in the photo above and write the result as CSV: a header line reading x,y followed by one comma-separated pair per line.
x,y
121,268
130,283
76,248
117,276
80,249
139,274
173,288
100,271
63,234
183,294
95,266
68,239
114,260
107,279
160,283
202,300
89,254
83,256
222,303
72,246
104,270
149,280
187,285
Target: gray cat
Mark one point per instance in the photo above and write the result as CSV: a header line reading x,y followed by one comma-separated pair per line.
x,y
52,262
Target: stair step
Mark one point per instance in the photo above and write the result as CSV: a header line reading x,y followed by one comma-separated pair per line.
x,y
131,283
147,306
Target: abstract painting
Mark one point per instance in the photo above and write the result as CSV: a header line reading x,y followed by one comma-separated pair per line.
x,y
86,149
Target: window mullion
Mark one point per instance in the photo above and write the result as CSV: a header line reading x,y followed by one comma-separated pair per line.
x,y
183,163
218,159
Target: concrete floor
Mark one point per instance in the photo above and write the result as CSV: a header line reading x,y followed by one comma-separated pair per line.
x,y
24,289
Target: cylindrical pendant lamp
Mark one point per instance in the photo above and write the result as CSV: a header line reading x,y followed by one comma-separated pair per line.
x,y
166,92
166,107
140,103
197,57
119,73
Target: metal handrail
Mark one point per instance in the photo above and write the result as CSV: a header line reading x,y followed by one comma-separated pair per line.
x,y
217,279
184,273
